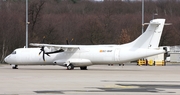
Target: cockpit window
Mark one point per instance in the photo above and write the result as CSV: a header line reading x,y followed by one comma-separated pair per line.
x,y
14,52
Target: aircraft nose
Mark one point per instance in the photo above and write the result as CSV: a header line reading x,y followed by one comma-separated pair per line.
x,y
6,59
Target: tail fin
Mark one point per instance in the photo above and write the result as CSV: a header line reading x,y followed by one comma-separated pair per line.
x,y
151,37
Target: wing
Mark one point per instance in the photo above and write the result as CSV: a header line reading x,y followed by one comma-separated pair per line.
x,y
52,49
56,47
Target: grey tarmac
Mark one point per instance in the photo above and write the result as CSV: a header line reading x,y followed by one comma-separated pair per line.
x,y
97,80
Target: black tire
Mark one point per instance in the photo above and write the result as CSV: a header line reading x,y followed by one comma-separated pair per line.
x,y
70,67
83,68
164,63
15,67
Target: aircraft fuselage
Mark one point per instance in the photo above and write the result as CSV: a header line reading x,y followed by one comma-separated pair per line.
x,y
84,56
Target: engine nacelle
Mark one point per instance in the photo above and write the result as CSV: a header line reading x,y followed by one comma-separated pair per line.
x,y
60,62
80,62
75,62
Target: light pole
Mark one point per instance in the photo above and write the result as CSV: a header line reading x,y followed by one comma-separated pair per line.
x,y
142,16
27,23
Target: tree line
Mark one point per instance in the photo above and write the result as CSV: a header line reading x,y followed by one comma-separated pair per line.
x,y
83,22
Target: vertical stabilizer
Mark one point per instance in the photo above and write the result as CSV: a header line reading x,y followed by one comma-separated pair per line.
x,y
151,37
155,40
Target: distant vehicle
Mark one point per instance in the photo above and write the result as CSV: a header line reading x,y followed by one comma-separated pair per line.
x,y
159,59
71,56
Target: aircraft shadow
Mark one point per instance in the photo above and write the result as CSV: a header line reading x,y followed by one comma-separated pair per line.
x,y
124,87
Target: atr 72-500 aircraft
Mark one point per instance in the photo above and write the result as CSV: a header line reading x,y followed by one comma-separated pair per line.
x,y
71,56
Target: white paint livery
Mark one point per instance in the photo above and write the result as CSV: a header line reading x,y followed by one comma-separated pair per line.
x,y
85,55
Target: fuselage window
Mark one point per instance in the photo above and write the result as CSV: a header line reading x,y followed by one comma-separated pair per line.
x,y
14,52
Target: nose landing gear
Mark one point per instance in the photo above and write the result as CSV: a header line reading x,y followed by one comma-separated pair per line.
x,y
14,66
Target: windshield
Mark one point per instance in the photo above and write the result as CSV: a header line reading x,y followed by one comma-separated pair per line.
x,y
14,52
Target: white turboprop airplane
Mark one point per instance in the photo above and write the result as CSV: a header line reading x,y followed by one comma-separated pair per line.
x,y
71,56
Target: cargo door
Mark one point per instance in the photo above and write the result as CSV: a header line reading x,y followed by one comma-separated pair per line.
x,y
117,54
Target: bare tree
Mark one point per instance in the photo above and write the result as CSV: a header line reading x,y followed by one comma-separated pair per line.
x,y
87,22
124,37
35,17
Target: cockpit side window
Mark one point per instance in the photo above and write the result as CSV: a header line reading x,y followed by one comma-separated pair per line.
x,y
14,52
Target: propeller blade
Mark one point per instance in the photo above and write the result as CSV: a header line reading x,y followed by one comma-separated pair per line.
x,y
43,55
42,49
67,42
61,50
40,52
47,54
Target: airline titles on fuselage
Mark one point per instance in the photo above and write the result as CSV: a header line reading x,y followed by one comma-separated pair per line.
x,y
105,50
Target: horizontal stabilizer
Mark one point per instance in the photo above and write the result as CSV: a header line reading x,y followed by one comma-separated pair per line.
x,y
164,24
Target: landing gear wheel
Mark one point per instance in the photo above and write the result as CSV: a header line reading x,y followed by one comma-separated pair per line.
x,y
164,63
14,66
121,64
83,68
70,67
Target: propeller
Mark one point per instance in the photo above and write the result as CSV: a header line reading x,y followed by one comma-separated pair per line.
x,y
43,51
67,41
47,53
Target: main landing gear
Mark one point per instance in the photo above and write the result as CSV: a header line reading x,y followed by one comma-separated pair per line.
x,y
71,67
121,64
14,66
83,68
